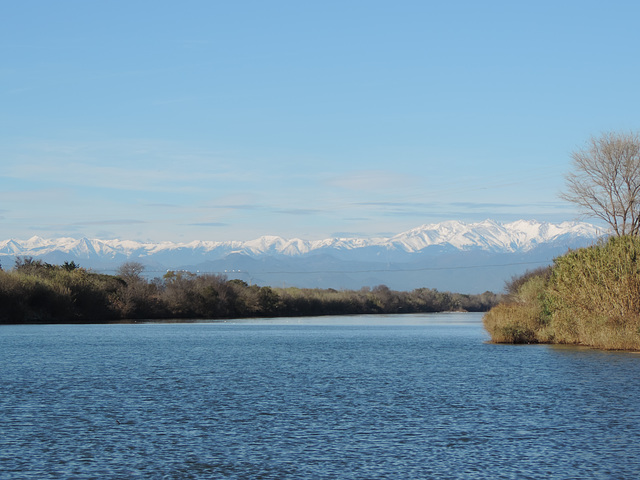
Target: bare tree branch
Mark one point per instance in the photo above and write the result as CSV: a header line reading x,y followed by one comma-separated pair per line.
x,y
605,181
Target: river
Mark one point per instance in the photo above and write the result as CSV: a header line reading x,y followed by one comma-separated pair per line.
x,y
359,397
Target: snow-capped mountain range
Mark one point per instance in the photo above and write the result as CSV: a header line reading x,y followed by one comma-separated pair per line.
x,y
490,236
268,257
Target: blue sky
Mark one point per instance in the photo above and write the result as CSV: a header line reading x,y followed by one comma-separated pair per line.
x,y
218,120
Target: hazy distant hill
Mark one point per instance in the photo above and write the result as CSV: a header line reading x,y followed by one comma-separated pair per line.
x,y
449,256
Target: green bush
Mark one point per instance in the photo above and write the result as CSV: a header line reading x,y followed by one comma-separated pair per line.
x,y
590,296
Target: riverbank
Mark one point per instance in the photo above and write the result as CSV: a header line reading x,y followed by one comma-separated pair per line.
x,y
590,297
37,292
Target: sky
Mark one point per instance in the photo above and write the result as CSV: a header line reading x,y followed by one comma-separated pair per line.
x,y
218,120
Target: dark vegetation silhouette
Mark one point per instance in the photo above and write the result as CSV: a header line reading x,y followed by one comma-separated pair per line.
x,y
38,292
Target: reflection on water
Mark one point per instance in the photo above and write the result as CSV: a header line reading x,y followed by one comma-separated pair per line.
x,y
412,397
449,318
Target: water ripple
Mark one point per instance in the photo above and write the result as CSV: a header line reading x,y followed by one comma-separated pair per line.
x,y
289,401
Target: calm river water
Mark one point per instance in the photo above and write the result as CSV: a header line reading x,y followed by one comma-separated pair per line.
x,y
383,397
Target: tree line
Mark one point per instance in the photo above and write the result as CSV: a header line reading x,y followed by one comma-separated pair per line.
x,y
38,292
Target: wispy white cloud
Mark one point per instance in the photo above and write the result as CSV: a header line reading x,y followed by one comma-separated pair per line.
x,y
208,224
16,197
126,165
163,206
301,211
233,207
372,180
110,222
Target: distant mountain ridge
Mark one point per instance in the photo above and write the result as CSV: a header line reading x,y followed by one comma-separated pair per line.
x,y
488,235
268,258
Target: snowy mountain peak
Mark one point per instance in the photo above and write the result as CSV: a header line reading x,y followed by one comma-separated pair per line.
x,y
488,235
521,235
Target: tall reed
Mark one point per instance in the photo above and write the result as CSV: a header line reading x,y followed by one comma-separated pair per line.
x,y
591,297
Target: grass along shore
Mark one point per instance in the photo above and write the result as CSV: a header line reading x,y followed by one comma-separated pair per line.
x,y
589,296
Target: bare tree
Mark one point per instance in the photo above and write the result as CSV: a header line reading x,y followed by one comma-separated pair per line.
x,y
131,271
605,181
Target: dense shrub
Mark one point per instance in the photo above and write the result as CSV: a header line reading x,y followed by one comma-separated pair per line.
x,y
40,292
513,286
590,296
522,317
